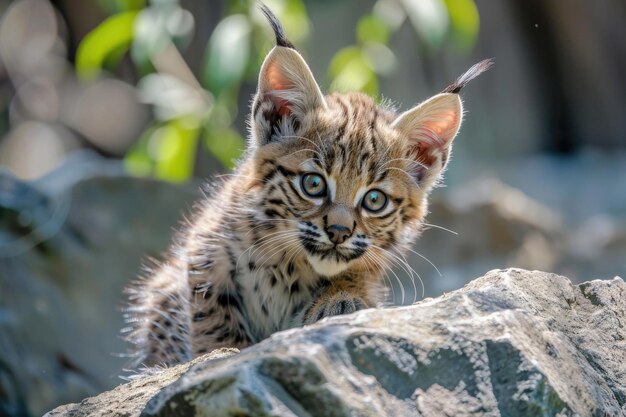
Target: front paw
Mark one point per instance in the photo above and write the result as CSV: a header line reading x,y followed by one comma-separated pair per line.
x,y
341,303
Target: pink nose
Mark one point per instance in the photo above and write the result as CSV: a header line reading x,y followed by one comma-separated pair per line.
x,y
338,233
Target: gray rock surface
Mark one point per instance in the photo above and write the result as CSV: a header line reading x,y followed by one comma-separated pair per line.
x,y
66,253
512,343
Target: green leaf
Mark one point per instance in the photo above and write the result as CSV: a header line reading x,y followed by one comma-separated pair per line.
x,y
106,43
166,150
228,53
341,59
175,147
226,145
137,160
350,71
464,22
372,29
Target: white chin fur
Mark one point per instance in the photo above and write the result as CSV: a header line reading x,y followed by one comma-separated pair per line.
x,y
326,267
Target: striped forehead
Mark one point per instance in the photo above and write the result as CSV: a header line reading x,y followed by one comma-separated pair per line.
x,y
348,168
352,143
354,158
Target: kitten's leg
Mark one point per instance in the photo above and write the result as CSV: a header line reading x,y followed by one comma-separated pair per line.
x,y
159,319
343,296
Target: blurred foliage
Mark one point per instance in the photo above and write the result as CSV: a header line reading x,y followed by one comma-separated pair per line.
x,y
358,67
108,42
191,115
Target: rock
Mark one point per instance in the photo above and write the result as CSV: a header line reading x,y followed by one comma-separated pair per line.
x,y
127,399
65,257
512,343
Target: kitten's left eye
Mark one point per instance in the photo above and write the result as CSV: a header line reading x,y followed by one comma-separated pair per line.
x,y
314,185
374,201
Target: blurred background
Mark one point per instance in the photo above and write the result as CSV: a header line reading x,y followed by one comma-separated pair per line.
x,y
112,112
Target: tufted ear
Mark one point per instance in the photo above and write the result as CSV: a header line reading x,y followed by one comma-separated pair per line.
x,y
287,92
429,129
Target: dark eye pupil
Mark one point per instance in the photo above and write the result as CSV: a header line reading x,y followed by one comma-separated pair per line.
x,y
313,182
375,201
313,185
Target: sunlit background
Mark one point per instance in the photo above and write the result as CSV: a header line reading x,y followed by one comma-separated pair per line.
x,y
112,112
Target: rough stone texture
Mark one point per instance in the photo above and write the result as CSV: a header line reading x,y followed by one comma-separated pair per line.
x,y
512,343
127,399
68,246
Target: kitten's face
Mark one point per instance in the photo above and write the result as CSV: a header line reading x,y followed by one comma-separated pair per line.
x,y
344,179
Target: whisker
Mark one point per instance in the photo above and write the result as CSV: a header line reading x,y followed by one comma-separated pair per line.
x,y
256,247
284,246
273,251
407,268
369,257
264,223
440,227
319,155
426,259
411,161
308,140
323,142
276,236
412,280
220,176
307,160
396,275
404,172
296,251
278,232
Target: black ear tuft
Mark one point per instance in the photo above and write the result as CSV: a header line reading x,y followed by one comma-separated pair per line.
x,y
281,39
468,76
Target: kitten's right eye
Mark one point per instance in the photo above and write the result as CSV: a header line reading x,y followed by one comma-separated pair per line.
x,y
314,185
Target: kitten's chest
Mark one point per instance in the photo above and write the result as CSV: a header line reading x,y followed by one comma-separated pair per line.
x,y
275,295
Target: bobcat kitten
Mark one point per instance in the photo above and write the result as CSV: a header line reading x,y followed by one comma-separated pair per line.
x,y
330,191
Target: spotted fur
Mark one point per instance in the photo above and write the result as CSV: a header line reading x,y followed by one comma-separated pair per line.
x,y
259,254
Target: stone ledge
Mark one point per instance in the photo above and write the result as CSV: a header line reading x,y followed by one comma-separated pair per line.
x,y
511,343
